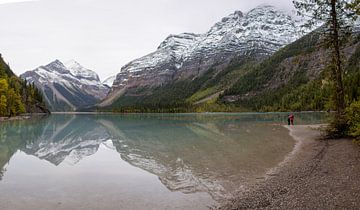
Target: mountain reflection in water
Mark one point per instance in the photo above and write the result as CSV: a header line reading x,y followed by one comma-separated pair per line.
x,y
213,153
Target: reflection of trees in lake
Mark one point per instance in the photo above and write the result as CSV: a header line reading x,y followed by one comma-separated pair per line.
x,y
16,135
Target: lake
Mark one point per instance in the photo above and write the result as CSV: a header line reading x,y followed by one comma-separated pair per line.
x,y
138,161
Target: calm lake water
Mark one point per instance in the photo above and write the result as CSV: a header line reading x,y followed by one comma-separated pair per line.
x,y
138,161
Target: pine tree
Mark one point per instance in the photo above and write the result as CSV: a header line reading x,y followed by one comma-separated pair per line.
x,y
3,105
337,17
3,100
11,108
4,86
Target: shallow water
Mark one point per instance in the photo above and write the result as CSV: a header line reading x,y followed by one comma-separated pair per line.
x,y
138,161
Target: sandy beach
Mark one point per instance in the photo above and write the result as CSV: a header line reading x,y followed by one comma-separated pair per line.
x,y
318,174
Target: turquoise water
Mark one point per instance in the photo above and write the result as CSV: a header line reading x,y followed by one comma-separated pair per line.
x,y
138,161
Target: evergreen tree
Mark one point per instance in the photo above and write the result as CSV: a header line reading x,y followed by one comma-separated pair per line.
x,y
3,86
3,105
3,93
337,17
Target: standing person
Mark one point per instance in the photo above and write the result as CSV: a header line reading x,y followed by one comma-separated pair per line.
x,y
291,118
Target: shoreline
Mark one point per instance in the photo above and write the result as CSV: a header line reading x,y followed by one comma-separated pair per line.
x,y
317,174
28,116
247,112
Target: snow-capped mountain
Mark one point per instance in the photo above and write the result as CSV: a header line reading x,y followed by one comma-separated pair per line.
x,y
109,81
67,86
80,72
257,34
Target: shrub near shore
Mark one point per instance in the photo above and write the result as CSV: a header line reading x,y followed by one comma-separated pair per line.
x,y
353,115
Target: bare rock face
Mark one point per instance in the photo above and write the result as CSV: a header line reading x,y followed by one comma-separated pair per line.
x,y
67,87
257,34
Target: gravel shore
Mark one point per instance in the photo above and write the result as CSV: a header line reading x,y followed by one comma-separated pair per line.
x,y
318,174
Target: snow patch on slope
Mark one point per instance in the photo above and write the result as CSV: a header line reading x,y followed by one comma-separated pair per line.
x,y
109,81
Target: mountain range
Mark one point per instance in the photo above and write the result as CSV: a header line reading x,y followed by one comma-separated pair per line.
x,y
253,61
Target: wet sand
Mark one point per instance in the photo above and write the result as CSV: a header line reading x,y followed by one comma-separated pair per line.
x,y
318,174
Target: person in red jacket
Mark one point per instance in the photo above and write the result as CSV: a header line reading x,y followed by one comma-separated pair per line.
x,y
291,119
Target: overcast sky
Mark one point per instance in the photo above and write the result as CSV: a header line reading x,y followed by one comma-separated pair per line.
x,y
103,35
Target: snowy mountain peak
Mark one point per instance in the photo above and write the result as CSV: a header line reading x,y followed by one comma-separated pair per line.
x,y
227,22
57,66
57,63
72,63
81,72
238,13
236,16
180,39
267,10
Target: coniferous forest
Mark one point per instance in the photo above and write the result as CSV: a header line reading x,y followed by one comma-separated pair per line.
x,y
16,95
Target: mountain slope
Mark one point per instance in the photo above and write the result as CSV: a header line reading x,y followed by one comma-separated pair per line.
x,y
67,87
296,78
181,59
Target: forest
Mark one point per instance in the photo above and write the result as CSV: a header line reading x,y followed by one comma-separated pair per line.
x,y
16,95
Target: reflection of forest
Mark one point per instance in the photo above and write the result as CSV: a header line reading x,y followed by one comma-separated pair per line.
x,y
14,136
189,153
